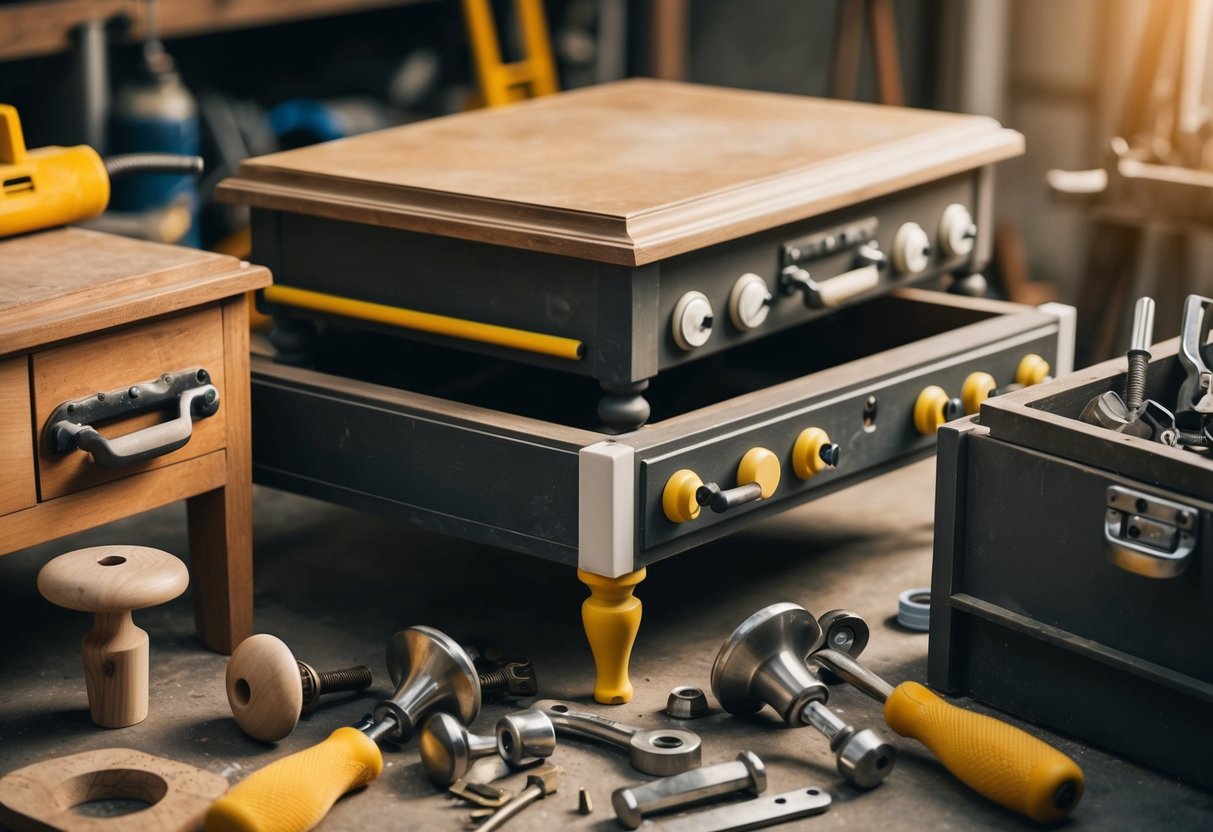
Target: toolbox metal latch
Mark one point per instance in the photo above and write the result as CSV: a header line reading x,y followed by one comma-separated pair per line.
x,y
1148,535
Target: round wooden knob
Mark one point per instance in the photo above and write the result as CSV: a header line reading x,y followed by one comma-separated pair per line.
x,y
111,581
264,687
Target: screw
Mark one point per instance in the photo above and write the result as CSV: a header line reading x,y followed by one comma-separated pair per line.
x,y
515,678
1139,353
317,684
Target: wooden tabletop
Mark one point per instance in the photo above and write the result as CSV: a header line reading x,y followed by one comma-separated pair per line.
x,y
628,172
69,281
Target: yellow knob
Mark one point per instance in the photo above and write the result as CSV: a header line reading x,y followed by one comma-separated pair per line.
x,y
761,466
930,410
1032,370
976,389
807,459
678,497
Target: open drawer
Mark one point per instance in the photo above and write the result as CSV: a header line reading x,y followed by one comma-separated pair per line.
x,y
510,455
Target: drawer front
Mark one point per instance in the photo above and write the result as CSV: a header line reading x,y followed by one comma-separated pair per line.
x,y
16,446
514,480
116,361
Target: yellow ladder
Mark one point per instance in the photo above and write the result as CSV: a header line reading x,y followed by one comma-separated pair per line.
x,y
502,83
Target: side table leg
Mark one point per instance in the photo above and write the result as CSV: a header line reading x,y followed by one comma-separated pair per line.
x,y
221,521
611,617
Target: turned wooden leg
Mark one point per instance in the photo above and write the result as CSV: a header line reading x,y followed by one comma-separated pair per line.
x,y
221,521
611,616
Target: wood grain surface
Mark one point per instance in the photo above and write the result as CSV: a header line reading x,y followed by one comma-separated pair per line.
x,y
69,282
16,438
41,796
92,507
628,172
117,360
264,687
110,581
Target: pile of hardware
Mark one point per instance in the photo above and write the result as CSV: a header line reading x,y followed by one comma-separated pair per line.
x,y
1190,424
766,661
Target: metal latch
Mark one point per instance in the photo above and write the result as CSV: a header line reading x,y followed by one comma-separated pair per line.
x,y
1148,535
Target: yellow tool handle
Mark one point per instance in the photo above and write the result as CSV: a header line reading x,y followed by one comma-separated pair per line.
x,y
995,759
295,793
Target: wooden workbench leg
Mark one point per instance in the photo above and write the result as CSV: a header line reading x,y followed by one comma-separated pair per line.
x,y
221,521
611,616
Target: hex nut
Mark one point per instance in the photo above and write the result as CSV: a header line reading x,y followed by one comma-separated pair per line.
x,y
687,702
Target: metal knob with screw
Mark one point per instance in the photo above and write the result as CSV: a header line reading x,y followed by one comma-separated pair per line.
x,y
633,803
268,689
763,663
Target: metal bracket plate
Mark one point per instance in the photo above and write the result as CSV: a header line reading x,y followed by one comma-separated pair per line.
x,y
752,814
1148,535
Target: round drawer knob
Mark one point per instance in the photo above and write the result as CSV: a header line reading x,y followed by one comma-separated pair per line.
x,y
934,408
749,302
975,390
813,453
692,321
1032,370
110,581
957,231
911,249
678,496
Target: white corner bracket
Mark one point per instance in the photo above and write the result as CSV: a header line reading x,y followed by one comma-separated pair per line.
x,y
606,508
1067,317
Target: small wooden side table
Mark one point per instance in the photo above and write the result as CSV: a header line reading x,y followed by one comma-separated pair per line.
x,y
139,340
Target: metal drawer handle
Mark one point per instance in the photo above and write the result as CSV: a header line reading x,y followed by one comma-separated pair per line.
x,y
1148,535
70,427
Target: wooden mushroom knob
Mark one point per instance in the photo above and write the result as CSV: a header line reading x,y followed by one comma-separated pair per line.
x,y
110,581
268,688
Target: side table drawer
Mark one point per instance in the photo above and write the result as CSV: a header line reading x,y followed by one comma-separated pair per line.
x,y
16,447
116,361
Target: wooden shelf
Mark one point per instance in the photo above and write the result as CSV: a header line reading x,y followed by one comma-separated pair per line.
x,y
43,27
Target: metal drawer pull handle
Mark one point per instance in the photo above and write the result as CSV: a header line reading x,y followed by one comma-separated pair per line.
x,y
1148,535
70,427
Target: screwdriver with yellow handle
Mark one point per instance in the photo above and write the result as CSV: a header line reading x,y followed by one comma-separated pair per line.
x,y
994,758
293,794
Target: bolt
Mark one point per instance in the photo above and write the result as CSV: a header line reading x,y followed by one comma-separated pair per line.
x,y
317,684
1139,353
133,392
516,678
632,803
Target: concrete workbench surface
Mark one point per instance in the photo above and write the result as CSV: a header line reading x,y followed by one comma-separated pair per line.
x,y
334,584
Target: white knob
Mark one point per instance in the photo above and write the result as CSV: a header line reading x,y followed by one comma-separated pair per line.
x,y
911,249
692,320
957,231
749,302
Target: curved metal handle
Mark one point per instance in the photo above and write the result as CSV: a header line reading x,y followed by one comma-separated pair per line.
x,y
583,724
142,444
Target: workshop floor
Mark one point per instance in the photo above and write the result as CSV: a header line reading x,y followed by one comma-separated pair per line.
x,y
334,584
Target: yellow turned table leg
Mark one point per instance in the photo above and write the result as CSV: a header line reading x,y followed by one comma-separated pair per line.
x,y
611,616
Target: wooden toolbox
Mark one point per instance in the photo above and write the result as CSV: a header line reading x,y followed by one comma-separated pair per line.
x,y
124,386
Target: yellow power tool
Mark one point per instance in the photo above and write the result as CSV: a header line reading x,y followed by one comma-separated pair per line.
x,y
50,186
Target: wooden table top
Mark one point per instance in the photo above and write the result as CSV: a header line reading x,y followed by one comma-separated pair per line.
x,y
628,172
69,281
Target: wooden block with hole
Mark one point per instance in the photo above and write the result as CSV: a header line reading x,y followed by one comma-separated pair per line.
x,y
124,386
